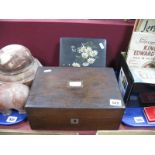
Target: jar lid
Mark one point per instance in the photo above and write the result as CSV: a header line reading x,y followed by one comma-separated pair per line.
x,y
14,58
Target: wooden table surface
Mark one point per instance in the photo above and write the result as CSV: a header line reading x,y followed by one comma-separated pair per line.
x,y
24,128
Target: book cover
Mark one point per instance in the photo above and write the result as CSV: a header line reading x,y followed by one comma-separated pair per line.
x,y
141,51
145,25
82,52
136,25
150,113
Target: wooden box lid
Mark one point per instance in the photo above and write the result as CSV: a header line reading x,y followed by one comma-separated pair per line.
x,y
74,87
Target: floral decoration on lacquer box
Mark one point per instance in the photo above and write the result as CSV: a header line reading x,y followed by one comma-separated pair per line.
x,y
82,52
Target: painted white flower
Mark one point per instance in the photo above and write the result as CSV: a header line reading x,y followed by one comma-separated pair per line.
x,y
93,53
89,49
81,49
85,64
73,48
75,64
84,55
91,60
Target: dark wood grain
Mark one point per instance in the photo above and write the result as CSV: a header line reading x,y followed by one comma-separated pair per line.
x,y
52,104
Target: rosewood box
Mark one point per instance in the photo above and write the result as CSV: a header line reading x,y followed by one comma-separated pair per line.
x,y
73,98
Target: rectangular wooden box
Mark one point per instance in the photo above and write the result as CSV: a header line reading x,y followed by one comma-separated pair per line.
x,y
72,98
